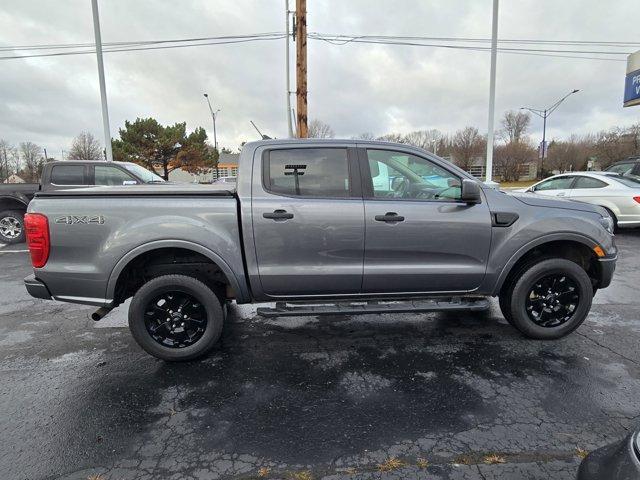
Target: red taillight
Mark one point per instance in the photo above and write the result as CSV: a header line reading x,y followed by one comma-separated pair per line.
x,y
37,228
637,199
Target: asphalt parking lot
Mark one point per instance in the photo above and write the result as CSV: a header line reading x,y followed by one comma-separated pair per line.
x,y
378,396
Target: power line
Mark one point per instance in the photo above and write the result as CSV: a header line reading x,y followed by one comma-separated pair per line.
x,y
87,48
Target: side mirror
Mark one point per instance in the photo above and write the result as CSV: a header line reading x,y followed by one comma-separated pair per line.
x,y
470,192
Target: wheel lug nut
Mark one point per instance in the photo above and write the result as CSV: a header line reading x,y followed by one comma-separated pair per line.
x,y
184,316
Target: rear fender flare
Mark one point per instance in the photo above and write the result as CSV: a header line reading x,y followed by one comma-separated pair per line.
x,y
155,245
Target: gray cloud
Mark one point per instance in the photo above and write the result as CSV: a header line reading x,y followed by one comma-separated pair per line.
x,y
355,87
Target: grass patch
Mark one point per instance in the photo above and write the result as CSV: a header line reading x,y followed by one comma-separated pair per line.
x,y
523,184
581,452
493,459
263,471
391,464
422,462
301,475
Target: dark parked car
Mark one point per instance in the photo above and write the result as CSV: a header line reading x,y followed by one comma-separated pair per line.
x,y
617,461
15,197
628,166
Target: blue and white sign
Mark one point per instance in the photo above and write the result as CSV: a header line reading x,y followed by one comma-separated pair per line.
x,y
632,80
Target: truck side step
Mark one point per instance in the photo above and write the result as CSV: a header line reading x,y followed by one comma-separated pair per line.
x,y
294,309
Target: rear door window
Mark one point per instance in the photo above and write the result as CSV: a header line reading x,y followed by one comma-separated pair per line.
x,y
105,175
67,175
308,172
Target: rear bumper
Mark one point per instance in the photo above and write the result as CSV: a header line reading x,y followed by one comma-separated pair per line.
x,y
607,267
36,288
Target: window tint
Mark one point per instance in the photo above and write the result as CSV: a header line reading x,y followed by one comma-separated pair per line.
x,y
111,176
402,175
67,175
588,182
560,183
309,172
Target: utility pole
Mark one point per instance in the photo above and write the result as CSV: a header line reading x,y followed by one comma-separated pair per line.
x,y
287,68
45,154
103,89
492,96
301,67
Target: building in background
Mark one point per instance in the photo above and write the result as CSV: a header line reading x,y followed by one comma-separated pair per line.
x,y
227,167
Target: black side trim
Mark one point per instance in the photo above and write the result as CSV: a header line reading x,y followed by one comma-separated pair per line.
x,y
503,219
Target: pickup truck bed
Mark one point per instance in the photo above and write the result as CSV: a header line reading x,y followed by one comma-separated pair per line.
x,y
312,223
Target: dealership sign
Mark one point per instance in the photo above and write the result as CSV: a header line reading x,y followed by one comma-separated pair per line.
x,y
632,80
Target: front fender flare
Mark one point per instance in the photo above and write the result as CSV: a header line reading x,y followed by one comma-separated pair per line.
x,y
238,287
571,236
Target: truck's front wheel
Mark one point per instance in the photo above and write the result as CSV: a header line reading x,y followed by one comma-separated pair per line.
x,y
175,318
549,299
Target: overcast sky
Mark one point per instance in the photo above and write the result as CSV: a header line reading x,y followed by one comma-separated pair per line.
x,y
355,87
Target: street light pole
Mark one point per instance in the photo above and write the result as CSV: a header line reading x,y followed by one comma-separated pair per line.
x,y
492,95
103,89
213,116
544,114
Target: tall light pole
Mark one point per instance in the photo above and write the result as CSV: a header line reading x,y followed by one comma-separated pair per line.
x,y
492,95
213,117
103,89
544,114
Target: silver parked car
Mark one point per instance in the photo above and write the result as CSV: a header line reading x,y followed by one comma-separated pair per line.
x,y
619,194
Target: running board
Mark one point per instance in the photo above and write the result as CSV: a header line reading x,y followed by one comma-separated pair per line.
x,y
294,309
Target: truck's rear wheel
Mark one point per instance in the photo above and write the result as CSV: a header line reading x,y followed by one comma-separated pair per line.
x,y
11,226
549,299
175,318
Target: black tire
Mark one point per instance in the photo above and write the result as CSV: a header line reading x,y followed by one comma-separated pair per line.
x,y
505,300
12,226
207,303
531,278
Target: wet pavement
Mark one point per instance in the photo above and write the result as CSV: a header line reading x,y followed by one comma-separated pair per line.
x,y
377,396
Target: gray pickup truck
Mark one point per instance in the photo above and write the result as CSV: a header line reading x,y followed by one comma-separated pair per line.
x,y
15,197
318,227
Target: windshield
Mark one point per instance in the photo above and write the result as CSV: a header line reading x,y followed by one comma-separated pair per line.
x,y
628,180
142,173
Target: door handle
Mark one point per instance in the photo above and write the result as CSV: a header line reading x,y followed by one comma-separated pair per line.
x,y
278,215
561,194
389,217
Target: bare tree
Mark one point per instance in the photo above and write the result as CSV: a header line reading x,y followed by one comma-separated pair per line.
x,y
467,145
32,159
509,158
364,136
572,154
9,160
427,139
515,125
319,129
85,147
392,137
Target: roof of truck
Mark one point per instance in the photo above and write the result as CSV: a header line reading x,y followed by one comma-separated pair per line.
x,y
183,189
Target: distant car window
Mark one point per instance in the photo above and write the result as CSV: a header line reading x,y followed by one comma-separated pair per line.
x,y
111,176
402,175
621,168
309,172
559,183
628,180
67,175
589,182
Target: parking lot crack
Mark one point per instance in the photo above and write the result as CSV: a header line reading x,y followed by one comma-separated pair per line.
x,y
608,348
